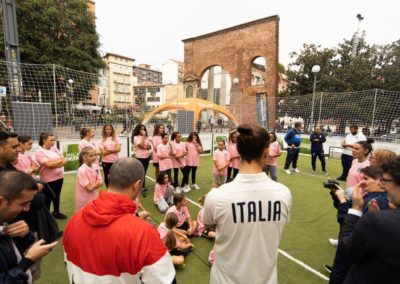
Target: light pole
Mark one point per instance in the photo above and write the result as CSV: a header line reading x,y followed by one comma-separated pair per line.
x,y
315,70
236,82
71,82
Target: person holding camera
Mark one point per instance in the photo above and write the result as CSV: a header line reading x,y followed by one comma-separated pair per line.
x,y
317,138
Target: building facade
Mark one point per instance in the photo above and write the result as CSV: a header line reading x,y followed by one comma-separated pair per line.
x,y
146,75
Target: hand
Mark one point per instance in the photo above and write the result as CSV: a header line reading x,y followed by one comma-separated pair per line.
x,y
358,201
340,194
189,231
17,229
373,206
293,146
39,249
100,182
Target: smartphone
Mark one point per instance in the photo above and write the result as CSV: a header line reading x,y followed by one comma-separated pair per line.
x,y
56,237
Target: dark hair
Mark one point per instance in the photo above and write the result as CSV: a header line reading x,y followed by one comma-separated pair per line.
x,y
83,153
124,173
392,167
4,135
297,124
14,182
164,134
273,133
171,220
233,132
43,137
355,126
84,131
157,129
24,138
160,177
201,200
174,134
222,140
252,141
190,138
366,145
103,132
136,131
178,197
373,172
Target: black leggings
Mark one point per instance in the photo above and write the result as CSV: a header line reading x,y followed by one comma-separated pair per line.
x,y
235,172
184,178
193,169
56,186
145,162
106,170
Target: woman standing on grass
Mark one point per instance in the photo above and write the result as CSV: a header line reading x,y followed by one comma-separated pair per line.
x,y
87,135
273,154
234,156
164,153
194,148
110,146
51,161
179,162
142,145
157,140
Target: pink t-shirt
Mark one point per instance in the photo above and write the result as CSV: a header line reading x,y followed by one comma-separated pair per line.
x,y
183,214
159,191
193,156
274,149
84,176
84,143
42,156
166,163
221,157
140,152
156,141
110,144
163,231
178,149
24,163
200,224
233,152
354,176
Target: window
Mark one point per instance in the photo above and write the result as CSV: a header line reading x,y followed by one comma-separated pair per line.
x,y
189,92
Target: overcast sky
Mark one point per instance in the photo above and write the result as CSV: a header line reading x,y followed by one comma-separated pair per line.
x,y
151,31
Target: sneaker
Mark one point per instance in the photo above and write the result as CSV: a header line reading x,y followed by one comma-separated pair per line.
x,y
325,173
296,170
186,188
59,215
195,186
178,189
313,172
328,268
144,192
287,171
333,242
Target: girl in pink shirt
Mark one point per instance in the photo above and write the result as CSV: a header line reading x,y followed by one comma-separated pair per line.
x,y
142,145
361,151
179,153
274,153
25,163
201,228
164,152
163,193
176,242
234,155
221,162
51,162
157,140
87,135
185,224
110,146
194,148
88,178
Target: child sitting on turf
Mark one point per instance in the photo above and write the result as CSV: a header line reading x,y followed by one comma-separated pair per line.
x,y
88,178
185,224
201,228
163,192
178,244
221,162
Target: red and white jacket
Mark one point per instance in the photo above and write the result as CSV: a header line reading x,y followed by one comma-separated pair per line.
x,y
106,243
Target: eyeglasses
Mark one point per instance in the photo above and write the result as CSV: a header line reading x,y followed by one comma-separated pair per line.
x,y
384,180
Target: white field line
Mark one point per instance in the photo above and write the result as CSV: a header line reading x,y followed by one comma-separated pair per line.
x,y
282,252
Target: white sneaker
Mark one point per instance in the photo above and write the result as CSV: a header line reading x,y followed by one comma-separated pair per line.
x,y
288,172
178,189
186,188
325,173
313,172
296,170
195,186
333,242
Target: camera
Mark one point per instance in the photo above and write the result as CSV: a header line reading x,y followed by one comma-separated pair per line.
x,y
330,184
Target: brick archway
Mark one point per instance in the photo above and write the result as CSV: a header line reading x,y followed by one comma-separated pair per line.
x,y
235,48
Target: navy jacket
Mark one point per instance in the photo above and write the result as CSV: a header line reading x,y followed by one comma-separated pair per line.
x,y
293,137
316,146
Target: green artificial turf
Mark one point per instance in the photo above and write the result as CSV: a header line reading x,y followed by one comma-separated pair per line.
x,y
312,222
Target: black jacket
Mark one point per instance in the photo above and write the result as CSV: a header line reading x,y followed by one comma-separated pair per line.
x,y
316,146
372,245
10,270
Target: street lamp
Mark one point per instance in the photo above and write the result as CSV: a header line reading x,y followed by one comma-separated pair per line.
x,y
71,82
315,70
